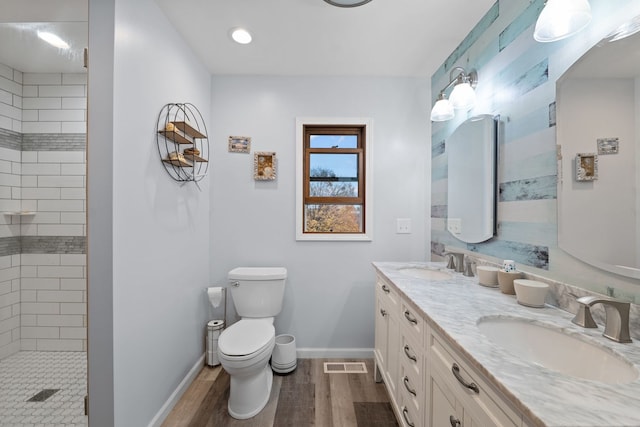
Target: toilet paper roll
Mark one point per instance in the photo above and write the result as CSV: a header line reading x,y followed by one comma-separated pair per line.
x,y
215,295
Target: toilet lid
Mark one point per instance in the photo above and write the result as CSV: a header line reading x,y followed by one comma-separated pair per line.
x,y
245,337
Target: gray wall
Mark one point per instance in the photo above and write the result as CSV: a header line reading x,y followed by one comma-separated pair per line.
x,y
329,298
149,237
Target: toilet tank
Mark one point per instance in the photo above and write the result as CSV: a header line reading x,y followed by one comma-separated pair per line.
x,y
257,291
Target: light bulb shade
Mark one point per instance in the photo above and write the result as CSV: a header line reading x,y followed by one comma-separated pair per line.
x,y
463,97
561,18
347,3
442,111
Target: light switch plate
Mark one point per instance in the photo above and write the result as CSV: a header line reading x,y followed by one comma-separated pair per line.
x,y
403,226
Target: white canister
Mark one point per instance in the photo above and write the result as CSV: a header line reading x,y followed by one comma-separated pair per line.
x,y
509,265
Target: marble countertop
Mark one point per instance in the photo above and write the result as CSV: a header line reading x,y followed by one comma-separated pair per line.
x,y
548,398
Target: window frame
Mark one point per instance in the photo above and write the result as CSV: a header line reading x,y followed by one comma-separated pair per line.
x,y
364,170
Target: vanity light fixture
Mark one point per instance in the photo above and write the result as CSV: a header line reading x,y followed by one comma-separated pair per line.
x,y
347,3
240,35
561,18
463,96
442,110
53,40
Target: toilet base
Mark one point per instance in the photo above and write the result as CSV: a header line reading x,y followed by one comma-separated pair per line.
x,y
246,391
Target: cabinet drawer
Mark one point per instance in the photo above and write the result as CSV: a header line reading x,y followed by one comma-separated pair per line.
x,y
412,322
387,293
411,390
411,357
410,416
476,395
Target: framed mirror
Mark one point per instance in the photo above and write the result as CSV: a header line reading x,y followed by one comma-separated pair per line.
x,y
471,153
597,104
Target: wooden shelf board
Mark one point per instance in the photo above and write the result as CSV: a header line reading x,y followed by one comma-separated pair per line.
x,y
175,137
195,158
178,163
189,130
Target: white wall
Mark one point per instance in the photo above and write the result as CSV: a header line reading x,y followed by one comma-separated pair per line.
x,y
329,298
148,236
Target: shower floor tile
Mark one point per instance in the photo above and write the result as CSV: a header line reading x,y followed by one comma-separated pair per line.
x,y
27,373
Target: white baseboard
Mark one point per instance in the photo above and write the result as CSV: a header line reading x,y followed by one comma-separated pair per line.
x,y
163,413
334,353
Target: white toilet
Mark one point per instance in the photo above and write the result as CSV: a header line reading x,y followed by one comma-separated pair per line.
x,y
245,347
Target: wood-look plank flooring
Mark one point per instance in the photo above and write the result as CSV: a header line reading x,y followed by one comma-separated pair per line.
x,y
305,397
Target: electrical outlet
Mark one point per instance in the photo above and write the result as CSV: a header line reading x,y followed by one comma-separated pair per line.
x,y
403,226
454,225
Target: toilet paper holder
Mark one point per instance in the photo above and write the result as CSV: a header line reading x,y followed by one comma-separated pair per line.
x,y
223,291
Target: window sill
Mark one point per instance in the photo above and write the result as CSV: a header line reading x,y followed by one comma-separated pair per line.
x,y
319,237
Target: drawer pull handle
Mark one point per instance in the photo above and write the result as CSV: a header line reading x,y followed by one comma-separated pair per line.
x,y
410,318
405,413
406,385
385,288
383,312
454,421
409,355
455,369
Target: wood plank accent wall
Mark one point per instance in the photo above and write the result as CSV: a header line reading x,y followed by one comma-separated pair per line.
x,y
517,78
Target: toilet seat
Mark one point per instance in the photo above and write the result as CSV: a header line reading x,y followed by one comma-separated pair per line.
x,y
245,338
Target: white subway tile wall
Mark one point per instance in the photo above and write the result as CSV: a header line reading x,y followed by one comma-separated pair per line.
x,y
10,307
42,169
54,103
10,99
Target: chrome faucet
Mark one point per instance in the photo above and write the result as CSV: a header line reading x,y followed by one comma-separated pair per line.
x,y
468,267
456,261
616,325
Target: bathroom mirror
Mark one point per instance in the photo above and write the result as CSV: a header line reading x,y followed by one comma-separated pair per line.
x,y
597,105
471,153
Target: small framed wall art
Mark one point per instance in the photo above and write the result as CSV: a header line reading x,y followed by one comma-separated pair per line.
x,y
264,166
240,144
586,166
608,145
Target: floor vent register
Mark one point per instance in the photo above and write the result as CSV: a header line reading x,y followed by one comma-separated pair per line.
x,y
345,368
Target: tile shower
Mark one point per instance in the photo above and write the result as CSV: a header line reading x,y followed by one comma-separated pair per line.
x,y
42,253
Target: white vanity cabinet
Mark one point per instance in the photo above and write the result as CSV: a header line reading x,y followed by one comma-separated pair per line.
x,y
472,401
387,338
417,365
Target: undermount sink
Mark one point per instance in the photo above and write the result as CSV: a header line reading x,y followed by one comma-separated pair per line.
x,y
425,273
556,350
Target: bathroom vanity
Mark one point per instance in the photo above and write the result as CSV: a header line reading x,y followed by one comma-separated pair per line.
x,y
444,364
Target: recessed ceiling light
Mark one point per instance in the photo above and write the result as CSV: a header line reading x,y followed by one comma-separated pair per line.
x,y
240,35
53,40
347,3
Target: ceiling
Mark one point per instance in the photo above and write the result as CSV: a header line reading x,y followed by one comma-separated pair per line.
x,y
311,37
291,37
20,47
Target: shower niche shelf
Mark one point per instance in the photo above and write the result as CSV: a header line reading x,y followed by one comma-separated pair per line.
x,y
20,213
182,142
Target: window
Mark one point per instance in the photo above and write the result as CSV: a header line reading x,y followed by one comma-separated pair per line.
x,y
333,179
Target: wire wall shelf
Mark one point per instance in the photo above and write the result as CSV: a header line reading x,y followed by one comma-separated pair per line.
x,y
182,142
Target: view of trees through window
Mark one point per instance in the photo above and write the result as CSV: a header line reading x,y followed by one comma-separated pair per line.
x,y
334,178
332,218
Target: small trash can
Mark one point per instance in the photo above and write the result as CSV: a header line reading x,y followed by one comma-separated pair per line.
x,y
283,358
214,329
